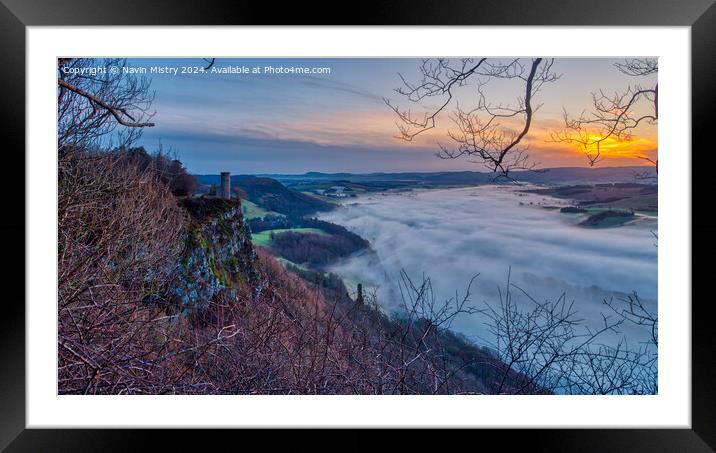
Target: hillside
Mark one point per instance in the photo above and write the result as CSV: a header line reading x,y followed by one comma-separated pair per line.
x,y
556,176
271,195
607,205
161,294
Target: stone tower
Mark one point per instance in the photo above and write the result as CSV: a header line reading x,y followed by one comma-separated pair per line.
x,y
225,191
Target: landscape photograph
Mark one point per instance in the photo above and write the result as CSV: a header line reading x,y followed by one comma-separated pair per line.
x,y
357,226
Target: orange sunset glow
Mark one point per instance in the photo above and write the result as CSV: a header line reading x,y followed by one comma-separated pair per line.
x,y
340,121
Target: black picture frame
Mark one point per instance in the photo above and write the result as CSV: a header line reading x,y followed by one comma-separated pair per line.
x,y
16,15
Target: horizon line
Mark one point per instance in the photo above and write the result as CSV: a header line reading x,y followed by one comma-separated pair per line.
x,y
540,170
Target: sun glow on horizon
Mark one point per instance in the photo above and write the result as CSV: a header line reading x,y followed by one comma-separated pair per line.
x,y
616,147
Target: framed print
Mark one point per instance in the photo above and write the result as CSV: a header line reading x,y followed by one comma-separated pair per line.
x,y
429,218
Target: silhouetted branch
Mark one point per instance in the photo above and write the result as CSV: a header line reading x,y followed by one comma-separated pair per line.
x,y
479,131
117,112
612,116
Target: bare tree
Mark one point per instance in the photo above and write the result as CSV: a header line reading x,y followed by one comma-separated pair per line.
x,y
423,318
550,349
479,132
119,239
614,115
538,347
94,96
632,310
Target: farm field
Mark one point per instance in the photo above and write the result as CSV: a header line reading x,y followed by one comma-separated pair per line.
x,y
253,211
646,204
287,263
264,238
321,197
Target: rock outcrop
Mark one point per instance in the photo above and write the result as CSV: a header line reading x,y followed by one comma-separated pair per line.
x,y
218,255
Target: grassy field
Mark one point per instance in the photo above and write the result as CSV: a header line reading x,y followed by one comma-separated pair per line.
x,y
264,237
286,262
607,218
611,222
643,199
647,204
253,211
323,198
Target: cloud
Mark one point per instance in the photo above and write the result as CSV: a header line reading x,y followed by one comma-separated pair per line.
x,y
252,151
452,235
342,87
345,108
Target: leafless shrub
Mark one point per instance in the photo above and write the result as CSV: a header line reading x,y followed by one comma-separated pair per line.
x,y
118,240
166,166
632,310
551,349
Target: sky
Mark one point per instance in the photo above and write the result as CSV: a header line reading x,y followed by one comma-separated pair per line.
x,y
253,123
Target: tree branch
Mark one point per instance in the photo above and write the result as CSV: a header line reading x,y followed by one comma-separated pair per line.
x,y
115,112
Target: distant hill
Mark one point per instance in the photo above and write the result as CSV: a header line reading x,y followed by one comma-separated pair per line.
x,y
286,194
561,175
582,175
271,195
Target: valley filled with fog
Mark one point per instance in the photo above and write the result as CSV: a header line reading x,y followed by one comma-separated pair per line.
x,y
452,235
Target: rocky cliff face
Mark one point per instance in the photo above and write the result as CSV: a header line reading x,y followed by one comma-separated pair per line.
x,y
218,256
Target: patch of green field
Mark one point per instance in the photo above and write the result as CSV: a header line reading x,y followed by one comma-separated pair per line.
x,y
264,237
649,202
640,203
286,263
611,222
607,218
323,198
595,209
253,211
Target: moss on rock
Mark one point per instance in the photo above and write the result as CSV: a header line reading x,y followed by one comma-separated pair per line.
x,y
218,255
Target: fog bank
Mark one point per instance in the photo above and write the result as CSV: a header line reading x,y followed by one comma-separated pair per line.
x,y
452,235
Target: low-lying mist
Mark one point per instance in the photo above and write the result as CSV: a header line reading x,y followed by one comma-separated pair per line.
x,y
452,235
